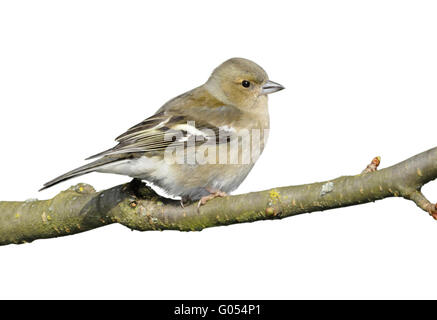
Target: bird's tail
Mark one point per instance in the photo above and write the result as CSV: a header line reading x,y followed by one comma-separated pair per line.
x,y
90,167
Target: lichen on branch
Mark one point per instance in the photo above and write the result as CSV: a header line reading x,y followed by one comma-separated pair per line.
x,y
134,205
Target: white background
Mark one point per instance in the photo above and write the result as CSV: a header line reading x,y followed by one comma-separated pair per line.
x,y
361,81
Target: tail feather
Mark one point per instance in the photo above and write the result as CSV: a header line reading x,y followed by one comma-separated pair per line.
x,y
90,167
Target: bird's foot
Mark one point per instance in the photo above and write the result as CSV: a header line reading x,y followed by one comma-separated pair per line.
x,y
212,195
184,201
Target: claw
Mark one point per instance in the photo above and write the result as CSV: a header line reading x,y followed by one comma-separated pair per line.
x,y
184,201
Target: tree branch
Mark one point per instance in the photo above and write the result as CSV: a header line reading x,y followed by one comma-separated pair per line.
x,y
134,205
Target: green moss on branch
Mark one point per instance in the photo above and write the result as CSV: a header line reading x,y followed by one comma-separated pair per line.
x,y
81,208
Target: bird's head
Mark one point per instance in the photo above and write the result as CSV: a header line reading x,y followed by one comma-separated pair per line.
x,y
240,82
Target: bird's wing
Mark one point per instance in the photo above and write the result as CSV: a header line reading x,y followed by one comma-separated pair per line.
x,y
162,130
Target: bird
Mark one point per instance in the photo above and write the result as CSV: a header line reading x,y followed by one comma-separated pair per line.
x,y
232,104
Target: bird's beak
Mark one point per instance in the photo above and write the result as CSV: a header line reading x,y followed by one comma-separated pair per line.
x,y
270,87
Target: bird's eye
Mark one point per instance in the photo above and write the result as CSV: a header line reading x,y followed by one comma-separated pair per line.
x,y
245,84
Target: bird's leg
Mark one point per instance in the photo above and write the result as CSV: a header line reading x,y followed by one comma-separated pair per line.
x,y
213,194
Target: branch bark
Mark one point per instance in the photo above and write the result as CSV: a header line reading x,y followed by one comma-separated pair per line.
x,y
136,206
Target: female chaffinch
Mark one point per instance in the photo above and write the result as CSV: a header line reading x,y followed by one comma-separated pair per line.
x,y
231,104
